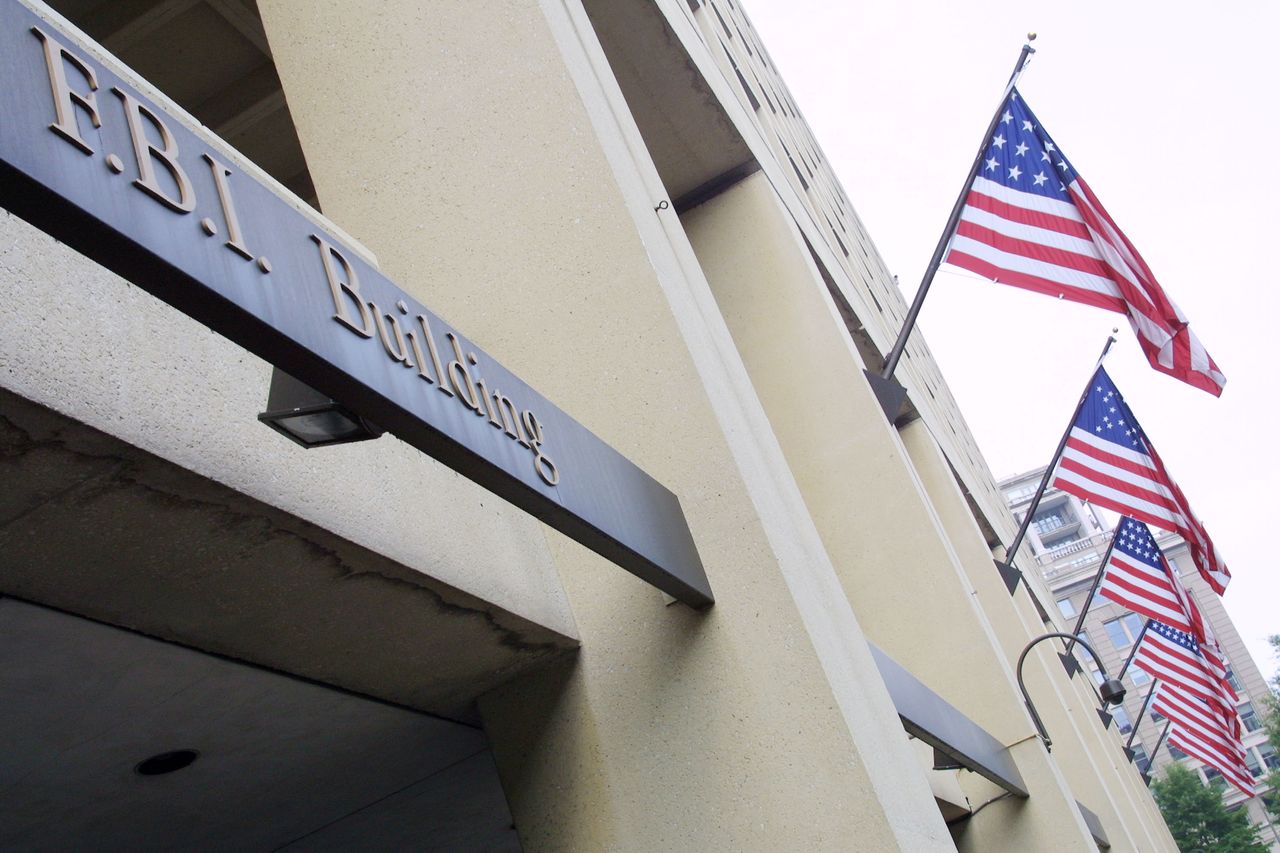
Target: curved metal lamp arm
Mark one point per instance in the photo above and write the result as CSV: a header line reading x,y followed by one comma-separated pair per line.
x,y
1111,689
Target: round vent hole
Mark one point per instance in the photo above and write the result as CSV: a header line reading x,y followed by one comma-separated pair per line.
x,y
166,762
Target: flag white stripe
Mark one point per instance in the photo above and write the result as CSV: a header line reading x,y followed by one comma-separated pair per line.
x,y
1126,453
1236,774
1030,233
1220,748
1103,468
1112,258
1170,665
1029,266
1030,201
1202,732
1107,492
1156,586
1113,248
1153,596
1158,610
1180,703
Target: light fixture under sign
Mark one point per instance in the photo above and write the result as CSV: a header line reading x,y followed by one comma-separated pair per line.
x,y
309,418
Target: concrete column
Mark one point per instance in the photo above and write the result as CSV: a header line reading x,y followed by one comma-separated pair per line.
x,y
894,556
452,140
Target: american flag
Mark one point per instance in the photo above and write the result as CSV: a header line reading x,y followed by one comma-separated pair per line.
x,y
1175,658
1139,578
1031,221
1203,731
1109,460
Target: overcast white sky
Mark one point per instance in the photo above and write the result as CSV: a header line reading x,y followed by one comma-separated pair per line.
x,y
1169,111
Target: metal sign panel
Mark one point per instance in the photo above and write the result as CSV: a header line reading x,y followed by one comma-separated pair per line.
x,y
937,722
93,162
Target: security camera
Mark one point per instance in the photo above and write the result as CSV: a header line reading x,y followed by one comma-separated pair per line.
x,y
1112,691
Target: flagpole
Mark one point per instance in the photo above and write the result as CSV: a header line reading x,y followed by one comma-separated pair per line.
x,y
1068,659
889,393
1134,653
1151,759
1128,746
1008,571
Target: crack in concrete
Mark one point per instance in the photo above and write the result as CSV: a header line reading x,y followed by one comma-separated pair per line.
x,y
255,530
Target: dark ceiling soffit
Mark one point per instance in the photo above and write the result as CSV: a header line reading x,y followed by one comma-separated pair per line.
x,y
932,719
712,188
1092,821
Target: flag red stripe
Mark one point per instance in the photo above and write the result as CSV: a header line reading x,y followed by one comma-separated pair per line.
x,y
1034,283
1162,662
1211,735
1114,505
1146,471
1138,492
1096,216
1191,746
1222,754
1136,598
1067,260
1027,216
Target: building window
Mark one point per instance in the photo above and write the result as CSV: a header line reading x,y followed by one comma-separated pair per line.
x,y
1124,631
1096,599
1157,717
1049,520
1066,608
1233,681
1138,677
1249,717
1175,753
1269,757
1140,759
1092,667
1121,716
1255,766
1022,493
1214,779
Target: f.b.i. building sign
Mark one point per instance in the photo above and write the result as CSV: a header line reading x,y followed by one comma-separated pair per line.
x,y
133,185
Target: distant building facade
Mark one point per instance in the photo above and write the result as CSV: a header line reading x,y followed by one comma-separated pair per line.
x,y
1069,537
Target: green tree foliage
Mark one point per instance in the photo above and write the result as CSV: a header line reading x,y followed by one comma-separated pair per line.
x,y
1272,718
1271,721
1271,799
1198,819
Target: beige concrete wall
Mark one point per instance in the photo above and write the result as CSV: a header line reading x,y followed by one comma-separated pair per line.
x,y
81,341
1089,757
895,560
454,140
257,584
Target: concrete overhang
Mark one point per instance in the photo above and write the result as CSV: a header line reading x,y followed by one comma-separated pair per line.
x,y
936,722
93,525
693,143
1094,823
